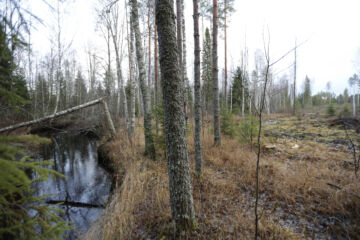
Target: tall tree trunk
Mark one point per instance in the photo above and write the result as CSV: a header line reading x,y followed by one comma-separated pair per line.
x,y
184,67
197,91
215,70
58,72
149,52
149,142
156,74
225,58
119,78
181,199
130,42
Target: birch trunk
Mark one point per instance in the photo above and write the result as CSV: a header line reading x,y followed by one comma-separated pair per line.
x,y
215,70
130,42
149,142
67,111
181,199
197,93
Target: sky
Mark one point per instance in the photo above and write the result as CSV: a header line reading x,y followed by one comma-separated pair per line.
x,y
329,28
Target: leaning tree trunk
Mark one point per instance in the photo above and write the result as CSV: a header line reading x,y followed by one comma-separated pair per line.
x,y
197,93
149,142
215,70
182,207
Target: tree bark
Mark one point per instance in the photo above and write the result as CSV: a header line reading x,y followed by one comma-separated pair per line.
x,y
215,70
149,142
131,76
181,199
197,91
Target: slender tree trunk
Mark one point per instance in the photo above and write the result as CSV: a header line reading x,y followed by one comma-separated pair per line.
x,y
119,77
215,70
149,142
58,72
225,58
197,91
182,207
149,52
130,43
184,66
156,74
294,93
354,103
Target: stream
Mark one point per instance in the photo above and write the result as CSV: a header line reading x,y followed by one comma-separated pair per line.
x,y
85,189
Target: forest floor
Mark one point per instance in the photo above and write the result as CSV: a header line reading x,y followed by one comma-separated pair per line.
x,y
308,188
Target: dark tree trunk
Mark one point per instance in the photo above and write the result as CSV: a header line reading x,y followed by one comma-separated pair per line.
x,y
149,142
182,207
215,70
197,91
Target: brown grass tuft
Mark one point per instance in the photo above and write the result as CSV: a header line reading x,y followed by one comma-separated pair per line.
x,y
306,192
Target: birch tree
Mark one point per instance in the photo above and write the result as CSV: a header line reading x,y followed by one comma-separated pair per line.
x,y
182,207
197,91
149,142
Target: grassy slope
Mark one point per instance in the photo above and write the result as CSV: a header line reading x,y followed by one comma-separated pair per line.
x,y
300,191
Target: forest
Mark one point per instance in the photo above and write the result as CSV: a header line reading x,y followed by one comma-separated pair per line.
x,y
172,119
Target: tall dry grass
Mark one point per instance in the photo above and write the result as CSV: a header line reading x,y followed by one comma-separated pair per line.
x,y
294,184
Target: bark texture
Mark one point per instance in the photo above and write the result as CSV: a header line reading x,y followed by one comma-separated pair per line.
x,y
215,70
181,199
149,142
197,91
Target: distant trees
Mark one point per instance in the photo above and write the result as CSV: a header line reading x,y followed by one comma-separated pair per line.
x,y
240,90
354,82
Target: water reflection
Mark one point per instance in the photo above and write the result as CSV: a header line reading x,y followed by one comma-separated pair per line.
x,y
86,182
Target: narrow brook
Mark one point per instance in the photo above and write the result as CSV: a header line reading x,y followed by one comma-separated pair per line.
x,y
85,189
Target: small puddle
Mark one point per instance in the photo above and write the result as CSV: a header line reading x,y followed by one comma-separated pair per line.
x,y
85,189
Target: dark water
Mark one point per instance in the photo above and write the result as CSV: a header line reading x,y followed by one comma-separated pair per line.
x,y
86,182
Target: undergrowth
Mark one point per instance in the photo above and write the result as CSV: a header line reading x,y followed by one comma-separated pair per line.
x,y
307,189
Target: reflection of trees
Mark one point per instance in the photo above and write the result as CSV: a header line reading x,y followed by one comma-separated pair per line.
x,y
86,181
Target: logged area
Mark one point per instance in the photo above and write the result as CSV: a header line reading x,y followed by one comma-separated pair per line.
x,y
308,187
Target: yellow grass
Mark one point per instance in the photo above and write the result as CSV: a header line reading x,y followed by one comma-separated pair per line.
x,y
293,180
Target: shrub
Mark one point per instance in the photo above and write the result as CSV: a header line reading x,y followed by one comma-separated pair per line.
x,y
330,110
345,111
227,123
248,129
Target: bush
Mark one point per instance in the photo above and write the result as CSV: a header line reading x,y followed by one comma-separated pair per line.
x,y
227,123
24,215
248,129
331,110
345,111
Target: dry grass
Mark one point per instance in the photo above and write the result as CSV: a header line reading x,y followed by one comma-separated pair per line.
x,y
296,198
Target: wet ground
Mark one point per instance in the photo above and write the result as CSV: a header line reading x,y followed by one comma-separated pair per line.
x,y
85,189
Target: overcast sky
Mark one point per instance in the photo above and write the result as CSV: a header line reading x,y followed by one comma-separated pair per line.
x,y
331,53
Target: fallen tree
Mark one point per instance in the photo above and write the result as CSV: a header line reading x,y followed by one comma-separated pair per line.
x,y
64,112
